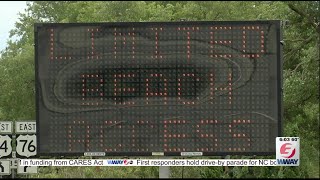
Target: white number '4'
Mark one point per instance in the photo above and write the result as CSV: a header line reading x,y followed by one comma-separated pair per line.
x,y
5,146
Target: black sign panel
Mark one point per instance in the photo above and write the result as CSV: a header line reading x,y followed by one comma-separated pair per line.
x,y
172,87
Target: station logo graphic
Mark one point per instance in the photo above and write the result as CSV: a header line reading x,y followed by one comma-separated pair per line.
x,y
288,151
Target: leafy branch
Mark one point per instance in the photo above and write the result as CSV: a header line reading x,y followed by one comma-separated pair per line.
x,y
304,15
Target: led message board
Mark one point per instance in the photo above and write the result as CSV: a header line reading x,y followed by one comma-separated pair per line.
x,y
172,87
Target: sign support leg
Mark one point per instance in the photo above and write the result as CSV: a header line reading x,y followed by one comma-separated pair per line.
x,y
13,173
164,171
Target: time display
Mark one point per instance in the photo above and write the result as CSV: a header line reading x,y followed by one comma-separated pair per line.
x,y
138,88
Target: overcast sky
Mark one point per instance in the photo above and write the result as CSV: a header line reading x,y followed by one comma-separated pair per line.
x,y
8,16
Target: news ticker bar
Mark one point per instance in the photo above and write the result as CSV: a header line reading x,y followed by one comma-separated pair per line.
x,y
148,162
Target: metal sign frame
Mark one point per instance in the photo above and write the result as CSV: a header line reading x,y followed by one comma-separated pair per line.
x,y
141,24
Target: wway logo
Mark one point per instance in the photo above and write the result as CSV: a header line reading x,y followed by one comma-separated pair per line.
x,y
115,162
120,162
288,151
128,162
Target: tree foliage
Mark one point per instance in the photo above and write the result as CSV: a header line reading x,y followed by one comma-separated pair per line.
x,y
301,65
